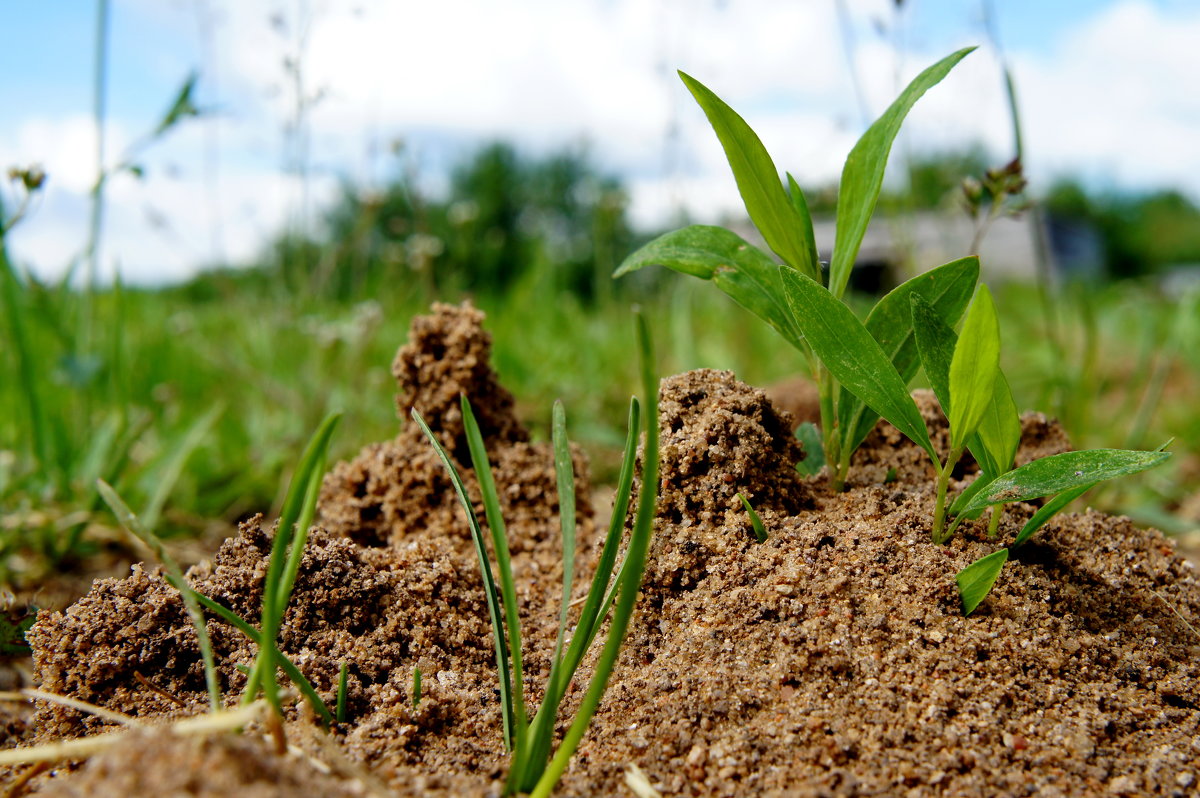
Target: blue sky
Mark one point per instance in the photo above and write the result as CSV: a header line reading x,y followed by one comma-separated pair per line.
x,y
1106,87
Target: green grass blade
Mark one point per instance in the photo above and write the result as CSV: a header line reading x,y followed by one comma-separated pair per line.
x,y
742,271
782,227
947,289
1062,472
541,732
485,570
254,636
1047,511
853,357
862,176
169,475
760,531
977,579
631,577
343,684
416,687
973,369
508,590
312,492
143,533
598,601
286,551
564,469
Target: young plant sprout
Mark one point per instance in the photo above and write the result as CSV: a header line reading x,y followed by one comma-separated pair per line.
x,y
299,507
760,531
757,282
530,740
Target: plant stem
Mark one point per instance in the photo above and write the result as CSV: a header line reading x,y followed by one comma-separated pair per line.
x,y
833,464
994,521
939,509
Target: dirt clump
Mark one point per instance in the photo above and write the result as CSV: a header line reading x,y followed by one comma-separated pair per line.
x,y
158,763
832,659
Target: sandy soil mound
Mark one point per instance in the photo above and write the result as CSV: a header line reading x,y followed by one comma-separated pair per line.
x,y
830,660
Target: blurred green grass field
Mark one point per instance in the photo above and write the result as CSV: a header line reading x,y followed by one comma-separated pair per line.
x,y
193,400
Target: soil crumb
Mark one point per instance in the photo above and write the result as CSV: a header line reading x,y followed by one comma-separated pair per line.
x,y
830,660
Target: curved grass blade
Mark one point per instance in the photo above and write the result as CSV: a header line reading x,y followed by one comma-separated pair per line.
x,y
760,531
745,273
598,601
287,549
977,579
532,762
489,585
782,227
289,668
631,577
1062,472
852,356
1047,511
143,533
947,289
862,176
508,590
973,368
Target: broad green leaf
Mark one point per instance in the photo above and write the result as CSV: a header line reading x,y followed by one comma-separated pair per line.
x,y
947,289
974,368
862,176
758,182
976,580
1062,472
995,443
747,274
1048,511
814,447
961,501
852,356
935,341
796,194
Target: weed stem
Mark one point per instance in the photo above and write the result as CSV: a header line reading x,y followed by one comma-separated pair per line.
x,y
939,510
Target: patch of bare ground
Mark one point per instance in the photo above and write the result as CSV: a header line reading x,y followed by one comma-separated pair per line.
x,y
832,659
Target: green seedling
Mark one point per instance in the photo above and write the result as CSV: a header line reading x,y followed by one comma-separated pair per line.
x,y
416,688
343,684
287,549
1065,476
765,287
298,510
760,531
996,435
529,740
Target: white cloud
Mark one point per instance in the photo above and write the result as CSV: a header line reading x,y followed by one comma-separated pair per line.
x,y
1108,100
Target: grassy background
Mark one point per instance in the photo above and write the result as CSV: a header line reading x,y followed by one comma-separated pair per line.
x,y
193,401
